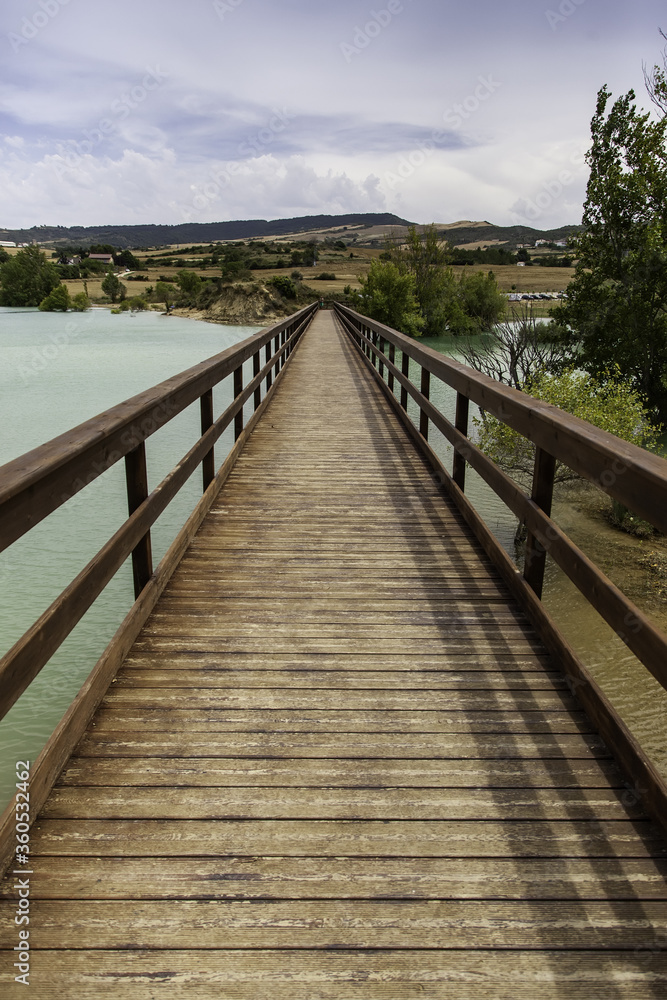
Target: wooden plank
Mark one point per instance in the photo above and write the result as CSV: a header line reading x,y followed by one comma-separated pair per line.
x,y
181,801
425,924
151,718
173,740
589,879
428,704
174,672
344,974
407,663
353,838
363,772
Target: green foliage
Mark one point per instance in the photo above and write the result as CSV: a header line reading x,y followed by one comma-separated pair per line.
x,y
612,404
27,278
164,292
127,259
446,305
135,304
56,301
388,296
284,285
190,286
616,305
4,256
80,302
113,287
324,276
481,299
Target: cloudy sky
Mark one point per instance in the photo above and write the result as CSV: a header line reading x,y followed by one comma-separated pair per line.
x,y
167,111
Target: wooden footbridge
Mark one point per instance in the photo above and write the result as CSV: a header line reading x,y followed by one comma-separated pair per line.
x,y
337,748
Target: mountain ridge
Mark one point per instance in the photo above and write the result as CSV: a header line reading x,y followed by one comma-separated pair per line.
x,y
348,227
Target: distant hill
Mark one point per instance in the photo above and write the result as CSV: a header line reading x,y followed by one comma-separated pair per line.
x,y
192,232
361,229
510,236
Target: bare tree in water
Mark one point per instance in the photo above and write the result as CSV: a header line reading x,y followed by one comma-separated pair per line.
x,y
516,350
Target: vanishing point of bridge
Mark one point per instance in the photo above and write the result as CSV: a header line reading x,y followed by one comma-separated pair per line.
x,y
344,755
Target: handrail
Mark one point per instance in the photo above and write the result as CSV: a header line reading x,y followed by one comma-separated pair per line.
x,y
635,477
37,483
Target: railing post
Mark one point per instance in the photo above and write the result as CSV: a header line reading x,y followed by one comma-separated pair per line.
x,y
542,495
459,465
381,363
425,391
238,389
136,475
374,357
208,464
390,374
405,370
276,347
267,357
256,365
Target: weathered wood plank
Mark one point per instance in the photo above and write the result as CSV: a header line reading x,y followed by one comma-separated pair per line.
x,y
353,838
192,739
151,717
601,879
358,700
340,974
363,773
178,671
424,924
181,801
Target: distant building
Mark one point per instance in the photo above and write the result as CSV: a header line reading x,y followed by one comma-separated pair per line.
x,y
7,243
106,258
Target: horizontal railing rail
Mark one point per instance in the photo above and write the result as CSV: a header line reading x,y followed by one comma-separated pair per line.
x,y
631,475
37,483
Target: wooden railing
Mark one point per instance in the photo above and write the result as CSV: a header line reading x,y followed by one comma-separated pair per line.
x,y
39,482
631,475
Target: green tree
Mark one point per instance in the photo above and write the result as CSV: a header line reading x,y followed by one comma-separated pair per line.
x,y
190,285
27,278
481,299
425,258
164,292
113,287
285,286
389,296
616,305
80,302
56,301
610,403
447,306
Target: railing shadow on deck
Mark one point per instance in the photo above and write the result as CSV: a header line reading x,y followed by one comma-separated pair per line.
x,y
39,482
631,475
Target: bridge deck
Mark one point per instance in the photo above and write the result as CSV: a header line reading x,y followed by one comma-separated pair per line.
x,y
338,762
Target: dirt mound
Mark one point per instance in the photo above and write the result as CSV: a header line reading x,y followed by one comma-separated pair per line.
x,y
244,304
